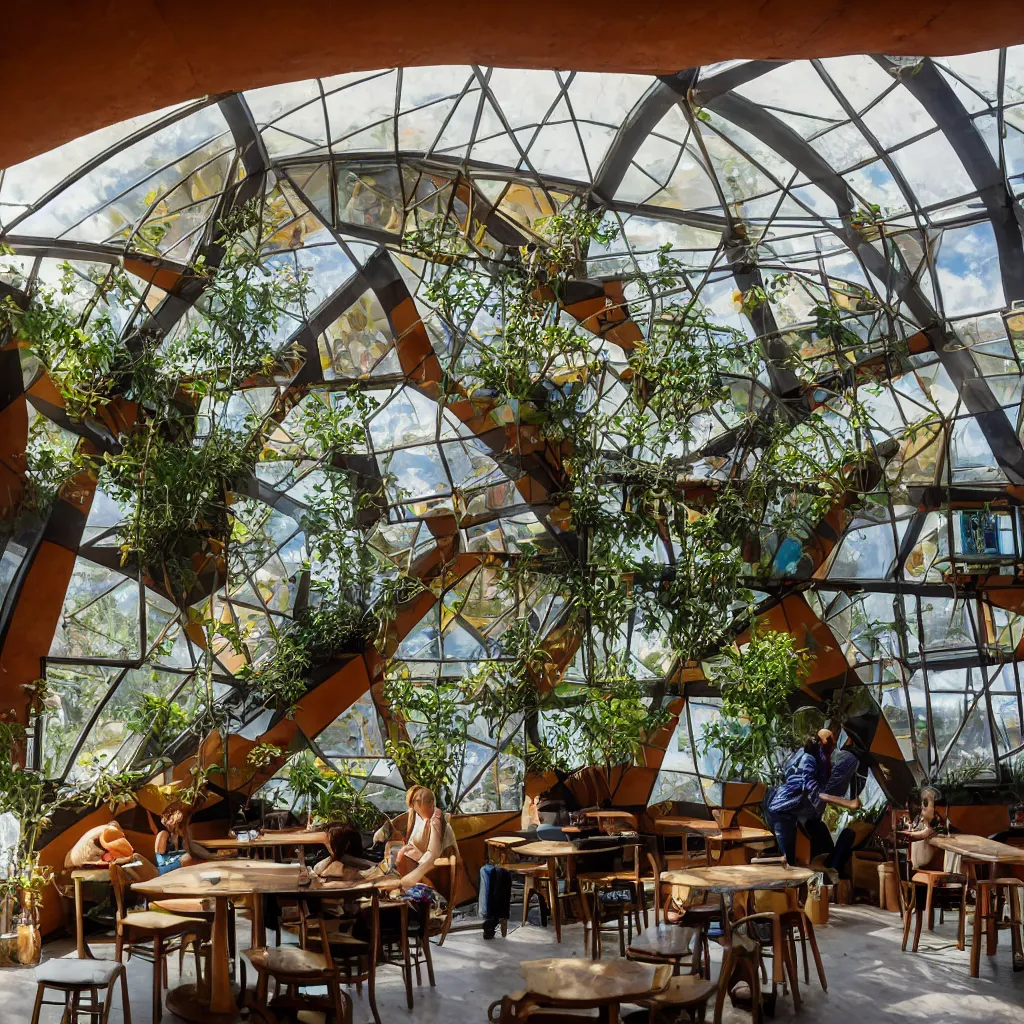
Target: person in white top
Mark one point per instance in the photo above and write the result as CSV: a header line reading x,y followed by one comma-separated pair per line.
x,y
423,845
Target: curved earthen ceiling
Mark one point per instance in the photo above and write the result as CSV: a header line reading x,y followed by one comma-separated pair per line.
x,y
73,67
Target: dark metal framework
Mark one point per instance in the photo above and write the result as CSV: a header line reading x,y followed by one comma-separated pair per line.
x,y
894,189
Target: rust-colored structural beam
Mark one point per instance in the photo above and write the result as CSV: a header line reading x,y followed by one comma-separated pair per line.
x,y
71,67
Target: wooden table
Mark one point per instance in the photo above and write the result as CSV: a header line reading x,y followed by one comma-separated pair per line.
x,y
553,852
502,844
726,879
738,835
621,817
730,878
573,983
273,841
983,853
216,1003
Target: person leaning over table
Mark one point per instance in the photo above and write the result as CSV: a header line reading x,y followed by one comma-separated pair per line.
x,y
345,861
798,802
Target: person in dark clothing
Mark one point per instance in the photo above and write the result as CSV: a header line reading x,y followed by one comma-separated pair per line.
x,y
810,784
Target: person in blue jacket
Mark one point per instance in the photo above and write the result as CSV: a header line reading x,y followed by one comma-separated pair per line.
x,y
812,781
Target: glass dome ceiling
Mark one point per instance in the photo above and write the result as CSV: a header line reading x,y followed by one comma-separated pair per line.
x,y
891,186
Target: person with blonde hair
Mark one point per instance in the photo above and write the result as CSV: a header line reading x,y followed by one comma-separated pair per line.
x,y
424,838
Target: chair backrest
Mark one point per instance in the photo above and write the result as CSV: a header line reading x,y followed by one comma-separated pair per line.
x,y
741,954
449,844
119,884
320,925
386,921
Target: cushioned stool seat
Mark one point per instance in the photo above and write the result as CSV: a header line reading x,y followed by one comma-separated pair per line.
x,y
87,973
80,982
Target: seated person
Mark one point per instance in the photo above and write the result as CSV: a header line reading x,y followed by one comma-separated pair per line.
x,y
429,833
177,822
402,824
169,845
345,862
926,824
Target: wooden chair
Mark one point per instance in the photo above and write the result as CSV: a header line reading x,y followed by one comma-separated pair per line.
x,y
691,993
389,941
621,871
295,968
76,978
160,930
447,865
535,880
918,893
660,861
665,944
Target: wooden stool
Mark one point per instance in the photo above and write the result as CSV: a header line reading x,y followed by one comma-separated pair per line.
x,y
535,880
75,978
988,914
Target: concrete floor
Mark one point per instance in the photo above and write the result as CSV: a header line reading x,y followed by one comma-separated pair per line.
x,y
870,979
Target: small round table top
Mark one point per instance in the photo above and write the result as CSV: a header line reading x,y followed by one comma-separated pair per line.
x,y
591,983
506,841
739,877
547,848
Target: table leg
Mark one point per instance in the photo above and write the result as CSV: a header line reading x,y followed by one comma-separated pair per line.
x,y
222,999
976,941
371,981
259,928
991,932
84,953
556,908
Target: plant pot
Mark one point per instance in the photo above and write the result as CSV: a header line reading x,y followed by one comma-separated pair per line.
x,y
29,942
9,949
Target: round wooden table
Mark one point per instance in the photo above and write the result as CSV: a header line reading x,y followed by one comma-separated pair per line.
x,y
733,878
553,851
215,1003
729,878
575,983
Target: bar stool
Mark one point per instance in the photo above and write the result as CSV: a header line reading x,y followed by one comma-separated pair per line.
x,y
76,978
988,913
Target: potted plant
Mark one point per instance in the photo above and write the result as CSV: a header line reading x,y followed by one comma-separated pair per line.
x,y
31,801
755,731
25,796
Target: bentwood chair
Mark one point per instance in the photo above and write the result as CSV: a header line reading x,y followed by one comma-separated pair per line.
x,y
153,936
690,993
